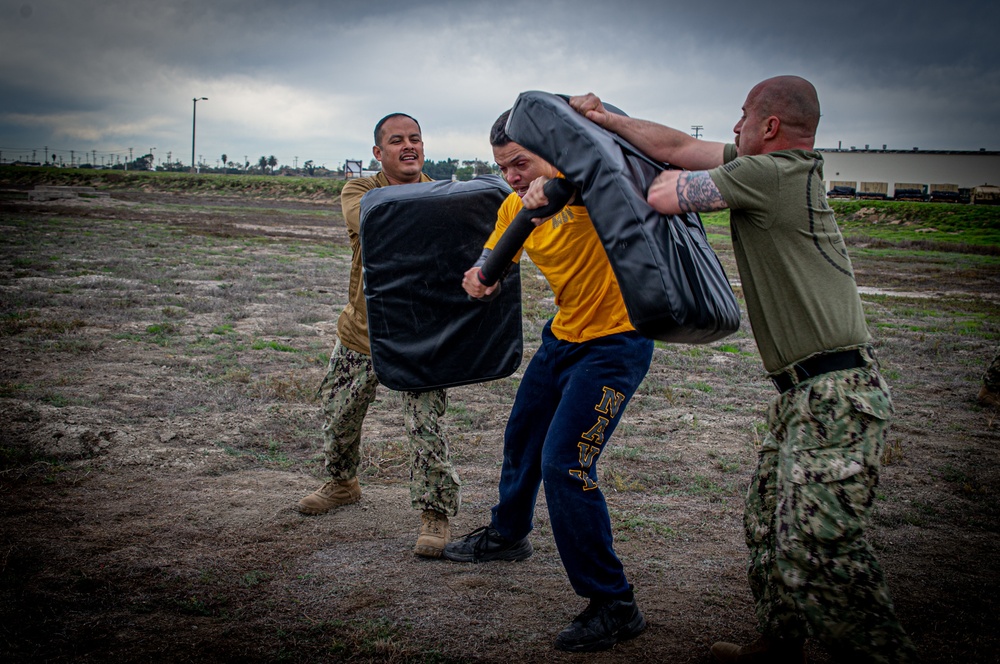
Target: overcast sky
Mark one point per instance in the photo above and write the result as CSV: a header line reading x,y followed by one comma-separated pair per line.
x,y
308,79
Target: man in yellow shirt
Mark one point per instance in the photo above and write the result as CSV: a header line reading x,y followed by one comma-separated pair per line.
x,y
571,398
349,386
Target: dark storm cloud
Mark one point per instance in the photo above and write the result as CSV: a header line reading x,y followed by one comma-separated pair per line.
x,y
307,78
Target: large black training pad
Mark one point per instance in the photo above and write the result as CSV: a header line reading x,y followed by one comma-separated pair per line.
x,y
417,240
672,282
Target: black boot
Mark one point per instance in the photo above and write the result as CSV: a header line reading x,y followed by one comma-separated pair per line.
x,y
602,624
486,544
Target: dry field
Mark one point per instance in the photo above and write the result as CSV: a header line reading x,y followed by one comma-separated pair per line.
x,y
160,356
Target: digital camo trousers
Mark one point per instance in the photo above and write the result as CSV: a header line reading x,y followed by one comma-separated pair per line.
x,y
811,571
347,390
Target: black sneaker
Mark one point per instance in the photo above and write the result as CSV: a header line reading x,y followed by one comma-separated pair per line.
x,y
601,625
485,544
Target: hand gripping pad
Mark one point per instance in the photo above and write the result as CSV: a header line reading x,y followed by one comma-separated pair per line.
x,y
417,240
672,282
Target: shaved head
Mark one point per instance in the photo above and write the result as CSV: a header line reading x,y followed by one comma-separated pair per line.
x,y
792,99
781,113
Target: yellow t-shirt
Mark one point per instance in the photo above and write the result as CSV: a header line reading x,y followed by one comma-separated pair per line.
x,y
569,254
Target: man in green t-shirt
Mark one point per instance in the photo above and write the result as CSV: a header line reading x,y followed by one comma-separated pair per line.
x,y
811,571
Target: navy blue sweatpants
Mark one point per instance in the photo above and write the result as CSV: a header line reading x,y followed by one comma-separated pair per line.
x,y
570,400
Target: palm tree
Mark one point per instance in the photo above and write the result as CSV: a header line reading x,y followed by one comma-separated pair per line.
x,y
262,164
272,162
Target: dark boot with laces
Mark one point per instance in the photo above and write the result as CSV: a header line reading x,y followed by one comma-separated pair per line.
x,y
486,544
602,624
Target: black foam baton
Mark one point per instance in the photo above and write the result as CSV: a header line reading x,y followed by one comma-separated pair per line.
x,y
559,191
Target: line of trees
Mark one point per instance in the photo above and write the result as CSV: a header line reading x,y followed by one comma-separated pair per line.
x,y
446,169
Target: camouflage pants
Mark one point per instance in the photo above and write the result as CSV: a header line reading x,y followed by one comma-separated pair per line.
x,y
810,569
348,389
991,379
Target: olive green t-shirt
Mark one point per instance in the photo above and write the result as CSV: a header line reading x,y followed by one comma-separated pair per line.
x,y
797,277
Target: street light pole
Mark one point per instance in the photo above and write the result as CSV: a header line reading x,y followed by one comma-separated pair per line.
x,y
194,116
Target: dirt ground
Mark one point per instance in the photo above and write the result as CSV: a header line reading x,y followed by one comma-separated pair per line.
x,y
158,423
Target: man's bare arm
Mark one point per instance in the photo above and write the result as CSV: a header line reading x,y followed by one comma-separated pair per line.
x,y
677,192
660,142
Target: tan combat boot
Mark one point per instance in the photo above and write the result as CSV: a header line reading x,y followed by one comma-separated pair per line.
x,y
332,494
434,534
761,651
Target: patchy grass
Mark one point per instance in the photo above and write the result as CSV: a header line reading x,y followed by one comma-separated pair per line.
x,y
158,403
267,186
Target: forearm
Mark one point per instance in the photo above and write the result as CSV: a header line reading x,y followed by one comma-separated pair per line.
x,y
656,140
678,192
667,144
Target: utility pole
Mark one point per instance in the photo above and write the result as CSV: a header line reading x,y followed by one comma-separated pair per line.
x,y
697,130
194,115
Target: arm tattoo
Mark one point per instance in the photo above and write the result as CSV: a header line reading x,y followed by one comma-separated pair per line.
x,y
697,193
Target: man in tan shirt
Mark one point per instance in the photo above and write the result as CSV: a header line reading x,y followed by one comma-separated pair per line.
x,y
350,383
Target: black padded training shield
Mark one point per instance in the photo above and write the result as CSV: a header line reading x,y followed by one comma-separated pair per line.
x,y
417,240
672,282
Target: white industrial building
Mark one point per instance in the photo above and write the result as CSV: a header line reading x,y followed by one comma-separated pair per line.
x,y
960,169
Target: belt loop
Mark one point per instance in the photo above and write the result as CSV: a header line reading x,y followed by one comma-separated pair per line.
x,y
801,372
785,380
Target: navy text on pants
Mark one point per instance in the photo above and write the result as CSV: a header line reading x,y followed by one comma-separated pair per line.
x,y
570,400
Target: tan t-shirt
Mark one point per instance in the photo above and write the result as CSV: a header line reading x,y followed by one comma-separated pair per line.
x,y
352,326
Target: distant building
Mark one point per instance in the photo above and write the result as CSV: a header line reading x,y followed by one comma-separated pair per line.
x,y
352,169
882,170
